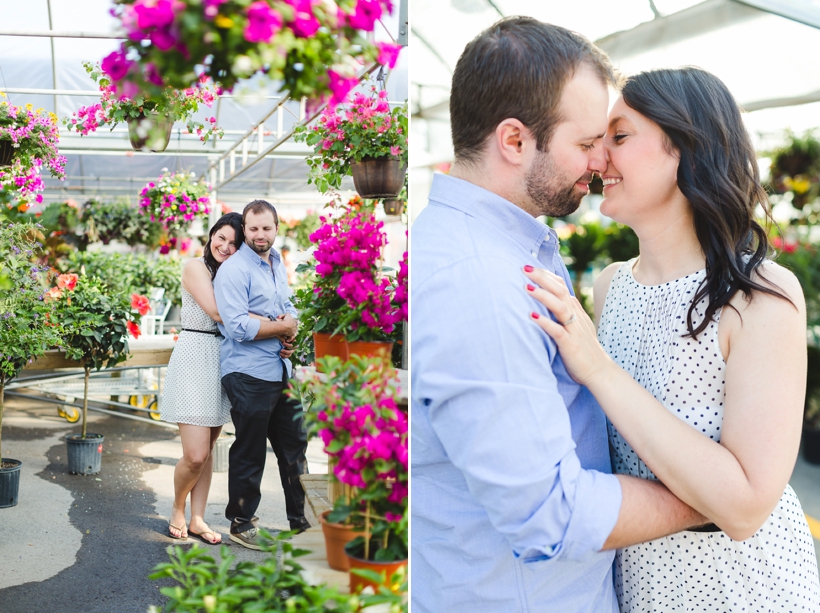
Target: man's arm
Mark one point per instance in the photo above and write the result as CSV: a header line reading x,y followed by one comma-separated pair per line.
x,y
649,511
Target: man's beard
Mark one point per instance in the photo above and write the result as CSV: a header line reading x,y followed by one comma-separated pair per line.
x,y
547,191
259,249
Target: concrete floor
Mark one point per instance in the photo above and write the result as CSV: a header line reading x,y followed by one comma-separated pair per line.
x,y
87,544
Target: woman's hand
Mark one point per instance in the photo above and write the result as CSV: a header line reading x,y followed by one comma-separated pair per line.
x,y
572,330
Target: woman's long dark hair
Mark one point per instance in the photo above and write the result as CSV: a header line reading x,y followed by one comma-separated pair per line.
x,y
717,174
233,220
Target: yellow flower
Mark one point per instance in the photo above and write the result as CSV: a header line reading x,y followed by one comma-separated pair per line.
x,y
2,94
220,21
53,118
29,106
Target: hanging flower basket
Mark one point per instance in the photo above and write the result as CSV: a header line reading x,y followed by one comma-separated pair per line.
x,y
6,153
392,206
150,131
378,177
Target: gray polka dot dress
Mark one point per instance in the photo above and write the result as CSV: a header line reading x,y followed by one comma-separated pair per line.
x,y
193,392
642,328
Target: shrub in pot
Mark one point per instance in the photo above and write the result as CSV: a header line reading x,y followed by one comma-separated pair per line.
x,y
95,325
26,327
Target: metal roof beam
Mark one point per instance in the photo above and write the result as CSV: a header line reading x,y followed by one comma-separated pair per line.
x,y
58,34
807,13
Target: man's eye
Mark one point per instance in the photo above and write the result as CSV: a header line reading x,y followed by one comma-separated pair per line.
x,y
589,147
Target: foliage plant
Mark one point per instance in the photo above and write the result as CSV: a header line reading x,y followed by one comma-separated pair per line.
x,y
175,200
128,273
26,327
113,109
273,584
94,325
119,220
300,229
364,128
314,48
35,138
353,409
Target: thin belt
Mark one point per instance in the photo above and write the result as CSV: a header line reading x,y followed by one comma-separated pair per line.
x,y
706,528
215,333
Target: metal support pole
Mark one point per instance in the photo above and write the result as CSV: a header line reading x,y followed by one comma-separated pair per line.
x,y
260,139
53,58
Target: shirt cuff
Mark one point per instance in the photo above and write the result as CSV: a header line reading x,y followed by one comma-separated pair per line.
x,y
597,504
252,329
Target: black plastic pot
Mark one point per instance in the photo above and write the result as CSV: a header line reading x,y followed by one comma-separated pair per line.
x,y
84,454
9,482
6,153
811,445
393,206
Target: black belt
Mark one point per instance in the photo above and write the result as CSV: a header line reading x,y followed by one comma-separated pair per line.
x,y
215,333
706,528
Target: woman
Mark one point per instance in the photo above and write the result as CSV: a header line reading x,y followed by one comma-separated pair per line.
x,y
702,358
193,396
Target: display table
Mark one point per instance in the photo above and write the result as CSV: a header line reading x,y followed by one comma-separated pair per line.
x,y
149,350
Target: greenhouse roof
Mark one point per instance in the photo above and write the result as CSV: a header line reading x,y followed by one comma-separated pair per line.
x,y
43,44
766,51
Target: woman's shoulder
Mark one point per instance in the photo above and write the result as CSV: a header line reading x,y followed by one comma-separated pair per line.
x,y
786,301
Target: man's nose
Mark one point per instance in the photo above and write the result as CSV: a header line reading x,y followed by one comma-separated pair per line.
x,y
598,159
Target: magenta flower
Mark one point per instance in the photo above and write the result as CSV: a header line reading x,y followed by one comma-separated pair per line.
x,y
365,15
340,86
388,54
304,24
211,8
116,66
263,23
154,13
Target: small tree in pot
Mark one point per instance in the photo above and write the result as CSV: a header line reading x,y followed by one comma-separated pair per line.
x,y
25,327
95,326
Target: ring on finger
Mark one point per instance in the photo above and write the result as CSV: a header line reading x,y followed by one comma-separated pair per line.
x,y
569,321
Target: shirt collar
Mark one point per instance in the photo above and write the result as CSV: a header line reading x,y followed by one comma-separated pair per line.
x,y
478,202
254,258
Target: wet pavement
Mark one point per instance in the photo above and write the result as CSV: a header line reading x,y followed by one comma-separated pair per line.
x,y
78,543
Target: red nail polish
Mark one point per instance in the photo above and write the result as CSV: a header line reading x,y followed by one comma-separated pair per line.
x,y
528,268
535,315
530,287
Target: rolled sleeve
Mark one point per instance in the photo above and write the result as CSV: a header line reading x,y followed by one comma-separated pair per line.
x,y
498,414
231,288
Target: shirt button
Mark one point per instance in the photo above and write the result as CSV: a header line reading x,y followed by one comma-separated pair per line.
x,y
534,254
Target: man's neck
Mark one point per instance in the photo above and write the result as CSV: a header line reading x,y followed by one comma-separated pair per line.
x,y
493,180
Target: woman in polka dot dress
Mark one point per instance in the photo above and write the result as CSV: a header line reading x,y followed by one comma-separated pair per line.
x,y
701,363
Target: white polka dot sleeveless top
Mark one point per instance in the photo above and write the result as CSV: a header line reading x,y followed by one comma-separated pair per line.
x,y
643,329
193,392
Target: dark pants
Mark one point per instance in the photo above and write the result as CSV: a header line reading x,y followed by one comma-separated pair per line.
x,y
261,409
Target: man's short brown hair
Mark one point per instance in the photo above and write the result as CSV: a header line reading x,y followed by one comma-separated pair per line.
x,y
517,68
257,207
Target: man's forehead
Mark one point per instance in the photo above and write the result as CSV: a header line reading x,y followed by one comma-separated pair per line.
x,y
266,217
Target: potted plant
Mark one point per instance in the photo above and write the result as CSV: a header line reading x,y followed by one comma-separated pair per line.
x,y
795,168
367,140
26,329
311,48
94,325
28,142
300,229
352,407
150,118
175,200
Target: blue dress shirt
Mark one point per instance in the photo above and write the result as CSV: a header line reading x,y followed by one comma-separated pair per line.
x,y
245,283
511,496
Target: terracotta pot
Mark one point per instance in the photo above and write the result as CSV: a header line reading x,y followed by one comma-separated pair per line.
x,y
336,537
329,344
151,131
393,206
368,349
6,153
387,569
378,177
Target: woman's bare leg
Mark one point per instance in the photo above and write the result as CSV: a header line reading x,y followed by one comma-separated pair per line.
x,y
199,493
196,451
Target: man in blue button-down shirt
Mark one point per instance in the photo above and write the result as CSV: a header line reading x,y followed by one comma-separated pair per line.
x,y
255,372
514,508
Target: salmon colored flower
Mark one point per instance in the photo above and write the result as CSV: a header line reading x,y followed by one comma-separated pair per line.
x,y
134,329
55,293
67,281
140,303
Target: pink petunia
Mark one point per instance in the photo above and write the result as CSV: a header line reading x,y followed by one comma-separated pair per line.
x,y
388,54
263,23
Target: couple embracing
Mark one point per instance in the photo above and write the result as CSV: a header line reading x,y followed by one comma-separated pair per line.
x,y
642,468
231,364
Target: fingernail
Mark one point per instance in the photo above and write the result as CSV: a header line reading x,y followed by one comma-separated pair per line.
x,y
530,287
535,315
528,268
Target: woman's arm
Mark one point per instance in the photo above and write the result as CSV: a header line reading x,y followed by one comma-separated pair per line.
x,y
737,482
197,281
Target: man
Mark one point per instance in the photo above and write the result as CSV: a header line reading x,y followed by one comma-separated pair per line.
x,y
255,372
512,500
